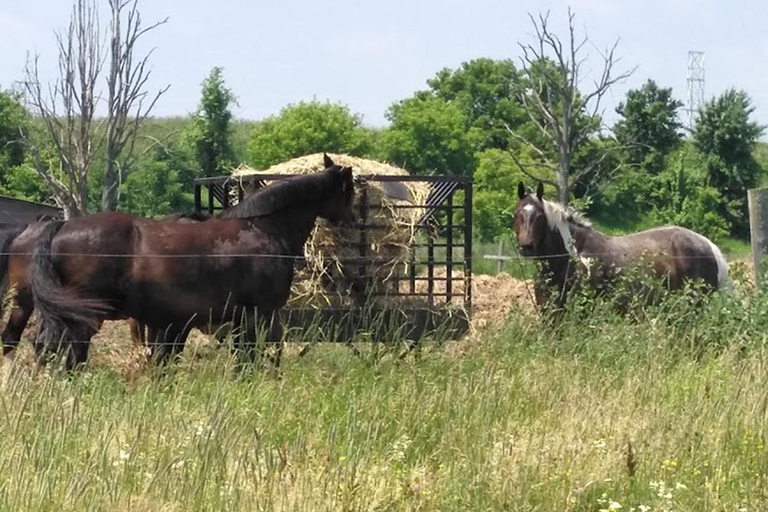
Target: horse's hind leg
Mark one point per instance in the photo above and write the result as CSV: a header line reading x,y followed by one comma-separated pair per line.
x,y
138,332
275,337
74,346
20,313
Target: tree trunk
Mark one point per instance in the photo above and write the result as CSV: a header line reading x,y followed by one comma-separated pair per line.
x,y
563,183
109,185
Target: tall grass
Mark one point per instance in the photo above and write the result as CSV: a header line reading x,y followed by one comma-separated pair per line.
x,y
665,409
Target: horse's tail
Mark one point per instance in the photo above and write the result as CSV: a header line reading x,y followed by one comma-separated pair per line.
x,y
723,281
5,253
64,316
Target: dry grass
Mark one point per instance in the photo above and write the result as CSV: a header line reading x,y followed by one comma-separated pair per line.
x,y
327,280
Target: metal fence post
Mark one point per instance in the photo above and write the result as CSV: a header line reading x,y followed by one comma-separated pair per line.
x,y
758,228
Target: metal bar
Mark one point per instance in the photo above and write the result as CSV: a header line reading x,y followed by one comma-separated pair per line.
x,y
198,198
430,271
407,278
417,245
468,246
418,225
363,247
414,207
407,294
210,199
436,198
369,177
225,197
449,248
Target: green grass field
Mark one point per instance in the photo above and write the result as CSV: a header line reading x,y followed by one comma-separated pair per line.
x,y
664,411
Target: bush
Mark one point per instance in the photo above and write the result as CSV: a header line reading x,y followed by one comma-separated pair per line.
x,y
681,195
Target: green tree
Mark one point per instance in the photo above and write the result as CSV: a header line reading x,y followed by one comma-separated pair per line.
x,y
726,136
305,128
496,179
427,135
158,186
18,177
649,128
13,118
682,195
485,91
210,132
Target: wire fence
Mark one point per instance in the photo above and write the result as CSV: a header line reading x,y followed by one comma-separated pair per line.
x,y
303,258
230,328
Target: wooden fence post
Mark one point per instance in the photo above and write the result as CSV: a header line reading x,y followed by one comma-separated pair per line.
x,y
758,228
499,257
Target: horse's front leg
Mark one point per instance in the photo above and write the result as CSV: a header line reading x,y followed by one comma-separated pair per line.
x,y
166,343
275,336
138,332
257,330
247,339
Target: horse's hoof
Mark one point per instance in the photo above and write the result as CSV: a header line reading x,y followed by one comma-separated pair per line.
x,y
9,358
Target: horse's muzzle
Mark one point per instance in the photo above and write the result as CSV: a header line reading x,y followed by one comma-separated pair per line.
x,y
527,250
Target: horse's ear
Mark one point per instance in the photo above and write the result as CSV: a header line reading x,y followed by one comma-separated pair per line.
x,y
346,176
540,190
521,190
327,161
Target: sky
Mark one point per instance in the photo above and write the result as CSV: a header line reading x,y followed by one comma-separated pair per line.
x,y
370,54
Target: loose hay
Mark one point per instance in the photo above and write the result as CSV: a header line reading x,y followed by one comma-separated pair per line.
x,y
329,279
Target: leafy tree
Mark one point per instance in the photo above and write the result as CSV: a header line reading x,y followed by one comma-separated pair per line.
x,y
210,132
13,117
649,128
157,187
485,91
428,135
18,177
496,179
682,195
726,136
308,127
23,182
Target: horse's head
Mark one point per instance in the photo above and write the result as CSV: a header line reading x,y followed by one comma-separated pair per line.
x,y
339,208
530,221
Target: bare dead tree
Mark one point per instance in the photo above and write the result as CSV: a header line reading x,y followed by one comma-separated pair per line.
x,y
556,106
66,109
128,103
73,136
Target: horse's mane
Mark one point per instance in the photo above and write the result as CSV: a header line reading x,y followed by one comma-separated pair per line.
x,y
285,193
557,214
560,217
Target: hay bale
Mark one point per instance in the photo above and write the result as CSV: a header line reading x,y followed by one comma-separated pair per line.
x,y
327,280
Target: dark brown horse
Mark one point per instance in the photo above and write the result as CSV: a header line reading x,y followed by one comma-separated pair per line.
x,y
564,245
17,241
172,276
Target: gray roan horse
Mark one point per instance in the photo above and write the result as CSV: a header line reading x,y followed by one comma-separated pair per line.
x,y
173,276
564,245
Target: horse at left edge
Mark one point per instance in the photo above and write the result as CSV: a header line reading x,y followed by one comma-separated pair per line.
x,y
172,276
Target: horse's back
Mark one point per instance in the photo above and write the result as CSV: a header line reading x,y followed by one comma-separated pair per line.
x,y
679,253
